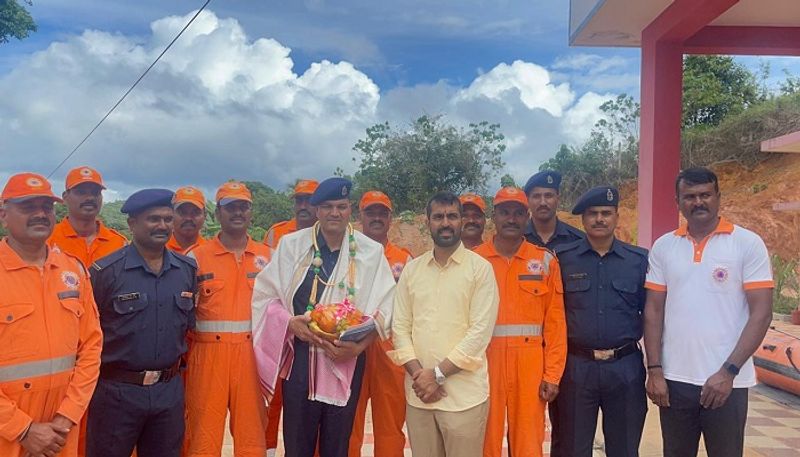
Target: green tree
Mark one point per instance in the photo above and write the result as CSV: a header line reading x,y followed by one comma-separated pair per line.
x,y
715,87
269,207
507,181
430,155
15,20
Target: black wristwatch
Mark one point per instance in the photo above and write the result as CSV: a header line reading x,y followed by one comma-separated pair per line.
x,y
732,369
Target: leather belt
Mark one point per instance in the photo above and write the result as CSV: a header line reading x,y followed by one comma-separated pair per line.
x,y
605,354
140,378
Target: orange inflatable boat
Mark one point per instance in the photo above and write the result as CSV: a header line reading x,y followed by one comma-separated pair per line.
x,y
777,361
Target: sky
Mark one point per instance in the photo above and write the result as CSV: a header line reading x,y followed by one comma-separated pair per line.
x,y
278,90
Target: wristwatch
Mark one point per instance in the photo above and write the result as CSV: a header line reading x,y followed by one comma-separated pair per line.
x,y
440,378
732,369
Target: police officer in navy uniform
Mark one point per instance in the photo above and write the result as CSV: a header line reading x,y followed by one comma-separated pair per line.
x,y
604,300
544,228
145,294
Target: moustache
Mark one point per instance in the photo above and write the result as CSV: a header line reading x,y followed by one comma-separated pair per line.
x,y
189,224
599,226
91,203
376,224
159,233
543,208
441,231
699,208
304,212
472,225
515,226
39,221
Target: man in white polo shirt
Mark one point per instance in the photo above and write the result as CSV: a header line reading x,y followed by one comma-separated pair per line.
x,y
709,304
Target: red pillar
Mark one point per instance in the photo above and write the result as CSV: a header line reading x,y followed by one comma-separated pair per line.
x,y
660,138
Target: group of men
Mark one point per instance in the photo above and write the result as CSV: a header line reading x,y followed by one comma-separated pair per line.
x,y
115,347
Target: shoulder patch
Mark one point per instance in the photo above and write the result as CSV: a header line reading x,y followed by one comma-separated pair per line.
x,y
110,259
567,247
635,249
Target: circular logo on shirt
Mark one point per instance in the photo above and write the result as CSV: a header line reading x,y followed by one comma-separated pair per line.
x,y
260,262
535,267
720,274
397,268
70,279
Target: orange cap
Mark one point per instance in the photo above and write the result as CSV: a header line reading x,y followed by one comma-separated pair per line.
x,y
374,197
189,194
23,186
510,194
473,199
81,175
231,191
305,186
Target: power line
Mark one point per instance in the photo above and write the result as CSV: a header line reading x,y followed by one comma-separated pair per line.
x,y
131,88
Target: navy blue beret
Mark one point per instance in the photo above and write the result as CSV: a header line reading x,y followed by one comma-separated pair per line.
x,y
597,196
146,199
547,178
335,188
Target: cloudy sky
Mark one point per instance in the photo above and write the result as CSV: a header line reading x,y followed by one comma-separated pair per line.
x,y
277,90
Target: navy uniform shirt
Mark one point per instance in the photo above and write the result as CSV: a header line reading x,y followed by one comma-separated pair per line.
x,y
329,258
603,296
564,234
144,314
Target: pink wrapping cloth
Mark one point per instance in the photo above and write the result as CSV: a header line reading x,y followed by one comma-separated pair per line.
x,y
329,382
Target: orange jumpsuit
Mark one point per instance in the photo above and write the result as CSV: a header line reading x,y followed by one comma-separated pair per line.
x,y
383,386
173,245
221,371
271,239
51,341
105,242
277,230
529,345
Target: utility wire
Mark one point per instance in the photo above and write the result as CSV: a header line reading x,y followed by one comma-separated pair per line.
x,y
75,149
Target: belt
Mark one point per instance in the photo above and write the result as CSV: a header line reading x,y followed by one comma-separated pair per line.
x,y
605,354
36,368
223,326
517,330
140,378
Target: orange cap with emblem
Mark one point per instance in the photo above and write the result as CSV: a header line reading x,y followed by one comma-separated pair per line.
x,y
232,191
473,199
24,186
305,186
375,197
82,175
510,194
189,194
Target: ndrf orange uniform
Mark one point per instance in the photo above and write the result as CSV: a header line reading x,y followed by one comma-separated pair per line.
x,y
51,341
278,230
174,246
221,373
529,345
104,243
383,386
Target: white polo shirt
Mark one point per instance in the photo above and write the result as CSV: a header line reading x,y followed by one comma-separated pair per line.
x,y
706,307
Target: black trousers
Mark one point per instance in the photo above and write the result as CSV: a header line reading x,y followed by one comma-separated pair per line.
x,y
305,422
685,419
617,388
123,416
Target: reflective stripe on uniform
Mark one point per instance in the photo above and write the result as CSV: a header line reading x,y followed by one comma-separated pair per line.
x,y
37,368
517,330
223,326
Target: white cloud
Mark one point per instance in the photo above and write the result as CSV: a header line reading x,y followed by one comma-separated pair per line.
x,y
221,105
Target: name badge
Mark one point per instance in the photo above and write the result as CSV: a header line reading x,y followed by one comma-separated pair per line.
x,y
187,294
578,276
127,297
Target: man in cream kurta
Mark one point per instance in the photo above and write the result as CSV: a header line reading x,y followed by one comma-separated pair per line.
x,y
321,388
444,314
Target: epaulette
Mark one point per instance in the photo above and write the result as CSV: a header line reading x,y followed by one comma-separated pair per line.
x,y
567,247
575,231
107,261
635,249
185,259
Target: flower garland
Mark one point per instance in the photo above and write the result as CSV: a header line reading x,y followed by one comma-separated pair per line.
x,y
316,264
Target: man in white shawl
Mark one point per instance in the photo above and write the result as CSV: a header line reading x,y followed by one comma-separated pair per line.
x,y
325,264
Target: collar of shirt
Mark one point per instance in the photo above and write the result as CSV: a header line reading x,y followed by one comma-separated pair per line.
x,y
561,229
616,248
134,260
103,233
522,250
220,249
457,256
724,226
12,261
